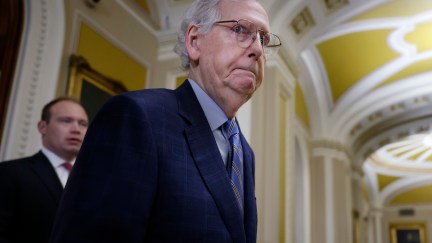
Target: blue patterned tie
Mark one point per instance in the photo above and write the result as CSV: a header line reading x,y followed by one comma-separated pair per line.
x,y
232,132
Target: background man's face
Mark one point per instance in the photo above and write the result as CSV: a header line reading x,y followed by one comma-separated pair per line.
x,y
64,132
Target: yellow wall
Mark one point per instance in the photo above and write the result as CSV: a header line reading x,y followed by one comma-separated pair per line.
x,y
301,106
109,60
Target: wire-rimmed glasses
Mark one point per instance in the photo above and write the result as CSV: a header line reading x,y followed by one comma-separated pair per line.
x,y
246,33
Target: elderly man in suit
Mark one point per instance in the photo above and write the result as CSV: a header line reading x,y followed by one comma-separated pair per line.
x,y
163,165
30,188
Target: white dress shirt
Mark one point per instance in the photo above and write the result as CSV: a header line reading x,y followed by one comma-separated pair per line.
x,y
57,164
216,118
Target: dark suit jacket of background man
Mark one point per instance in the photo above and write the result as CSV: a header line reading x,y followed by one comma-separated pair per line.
x,y
168,183
30,192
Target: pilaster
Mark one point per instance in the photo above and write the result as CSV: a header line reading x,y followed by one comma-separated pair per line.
x,y
331,199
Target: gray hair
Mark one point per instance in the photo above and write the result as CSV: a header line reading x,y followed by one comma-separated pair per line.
x,y
202,13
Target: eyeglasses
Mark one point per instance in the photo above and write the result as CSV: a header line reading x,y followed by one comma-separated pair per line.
x,y
246,33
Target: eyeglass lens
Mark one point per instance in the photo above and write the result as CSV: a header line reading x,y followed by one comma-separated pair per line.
x,y
246,33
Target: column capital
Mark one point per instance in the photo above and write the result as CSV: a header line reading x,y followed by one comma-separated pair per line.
x,y
333,149
376,211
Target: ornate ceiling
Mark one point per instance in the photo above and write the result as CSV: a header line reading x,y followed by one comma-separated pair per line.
x,y
365,69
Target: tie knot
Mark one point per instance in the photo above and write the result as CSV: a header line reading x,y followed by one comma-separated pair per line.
x,y
231,127
67,165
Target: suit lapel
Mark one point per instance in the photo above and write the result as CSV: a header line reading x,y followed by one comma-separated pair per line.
x,y
46,173
209,161
249,187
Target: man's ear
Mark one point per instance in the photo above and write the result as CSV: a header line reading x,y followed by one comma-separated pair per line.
x,y
42,127
192,41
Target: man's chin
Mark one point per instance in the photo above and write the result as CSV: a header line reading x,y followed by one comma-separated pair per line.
x,y
73,150
247,85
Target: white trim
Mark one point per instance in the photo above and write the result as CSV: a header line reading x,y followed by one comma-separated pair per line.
x,y
302,160
401,186
36,76
329,199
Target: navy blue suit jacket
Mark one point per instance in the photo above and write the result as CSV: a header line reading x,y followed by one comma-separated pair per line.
x,y
150,170
30,192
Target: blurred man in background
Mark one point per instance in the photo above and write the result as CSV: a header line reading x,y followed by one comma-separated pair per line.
x,y
30,188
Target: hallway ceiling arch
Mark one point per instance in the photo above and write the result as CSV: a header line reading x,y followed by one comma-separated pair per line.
x,y
364,67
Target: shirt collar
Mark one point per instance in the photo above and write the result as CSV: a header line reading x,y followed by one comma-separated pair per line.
x,y
55,160
214,114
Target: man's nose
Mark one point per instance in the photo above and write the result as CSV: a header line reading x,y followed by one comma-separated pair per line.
x,y
256,46
76,127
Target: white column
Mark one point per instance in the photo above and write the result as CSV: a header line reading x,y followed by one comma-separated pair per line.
x,y
376,216
332,204
274,163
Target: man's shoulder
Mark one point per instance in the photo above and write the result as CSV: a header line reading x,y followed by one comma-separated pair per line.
x,y
162,94
147,99
19,162
143,95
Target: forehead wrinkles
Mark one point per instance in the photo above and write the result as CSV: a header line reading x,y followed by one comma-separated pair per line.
x,y
245,9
